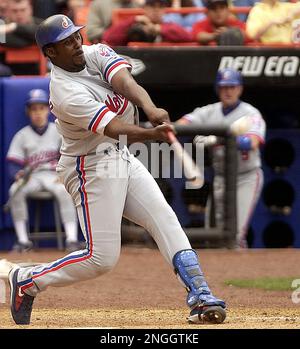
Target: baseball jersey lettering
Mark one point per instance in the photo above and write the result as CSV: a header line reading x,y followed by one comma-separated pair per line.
x,y
29,148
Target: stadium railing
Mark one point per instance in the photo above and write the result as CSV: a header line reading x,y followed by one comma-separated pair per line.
x,y
30,54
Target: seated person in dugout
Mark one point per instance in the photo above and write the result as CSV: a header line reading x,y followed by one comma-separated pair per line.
x,y
36,147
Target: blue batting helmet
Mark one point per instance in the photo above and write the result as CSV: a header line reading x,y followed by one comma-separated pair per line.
x,y
37,96
228,77
54,29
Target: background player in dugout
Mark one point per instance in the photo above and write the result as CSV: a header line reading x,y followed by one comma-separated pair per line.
x,y
84,80
249,173
37,145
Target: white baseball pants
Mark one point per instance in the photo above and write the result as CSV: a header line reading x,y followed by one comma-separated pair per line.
x,y
105,187
43,180
249,187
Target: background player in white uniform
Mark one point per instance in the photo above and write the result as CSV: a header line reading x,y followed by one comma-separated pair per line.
x,y
250,176
37,146
92,94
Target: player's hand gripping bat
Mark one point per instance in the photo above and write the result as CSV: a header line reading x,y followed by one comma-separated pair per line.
x,y
191,170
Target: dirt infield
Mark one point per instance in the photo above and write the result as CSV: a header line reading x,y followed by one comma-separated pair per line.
x,y
142,292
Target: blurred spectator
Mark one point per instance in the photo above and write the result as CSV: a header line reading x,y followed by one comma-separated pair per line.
x,y
271,21
45,8
20,24
146,28
220,27
73,6
3,6
4,70
243,3
100,16
185,20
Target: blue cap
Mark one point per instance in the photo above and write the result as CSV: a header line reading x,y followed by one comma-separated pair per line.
x,y
54,29
229,77
37,96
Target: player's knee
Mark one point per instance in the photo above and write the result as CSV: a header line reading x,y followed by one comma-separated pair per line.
x,y
60,192
16,196
18,199
105,262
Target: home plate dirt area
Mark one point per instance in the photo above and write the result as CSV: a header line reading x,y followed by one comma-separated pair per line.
x,y
143,292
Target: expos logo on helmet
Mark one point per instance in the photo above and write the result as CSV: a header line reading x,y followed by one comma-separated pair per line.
x,y
65,23
228,77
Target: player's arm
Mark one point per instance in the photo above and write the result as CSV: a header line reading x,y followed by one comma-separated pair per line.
x,y
115,128
16,158
255,142
255,136
83,111
248,142
205,38
123,83
15,170
182,121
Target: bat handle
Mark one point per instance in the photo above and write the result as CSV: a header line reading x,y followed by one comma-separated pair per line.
x,y
172,137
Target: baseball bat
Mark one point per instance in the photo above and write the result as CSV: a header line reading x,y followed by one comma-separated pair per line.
x,y
238,127
191,170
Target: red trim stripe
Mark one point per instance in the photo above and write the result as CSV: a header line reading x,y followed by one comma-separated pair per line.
x,y
253,203
86,205
17,161
123,108
115,66
261,140
75,260
26,286
98,120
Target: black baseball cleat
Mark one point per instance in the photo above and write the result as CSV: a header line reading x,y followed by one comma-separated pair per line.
x,y
20,302
211,314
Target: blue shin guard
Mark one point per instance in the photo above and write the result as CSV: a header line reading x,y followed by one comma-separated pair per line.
x,y
187,267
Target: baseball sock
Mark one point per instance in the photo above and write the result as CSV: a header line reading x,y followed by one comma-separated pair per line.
x,y
71,231
21,231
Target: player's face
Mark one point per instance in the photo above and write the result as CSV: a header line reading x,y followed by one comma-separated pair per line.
x,y
38,114
218,14
154,13
68,53
229,95
19,12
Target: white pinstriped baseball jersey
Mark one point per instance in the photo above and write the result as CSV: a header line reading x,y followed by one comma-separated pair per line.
x,y
84,102
213,113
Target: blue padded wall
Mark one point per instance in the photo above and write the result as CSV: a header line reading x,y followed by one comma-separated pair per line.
x,y
279,228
